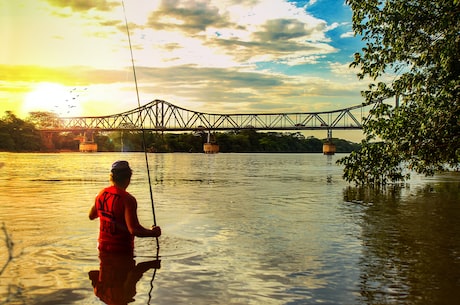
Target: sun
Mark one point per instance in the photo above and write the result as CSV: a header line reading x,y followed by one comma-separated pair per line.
x,y
52,97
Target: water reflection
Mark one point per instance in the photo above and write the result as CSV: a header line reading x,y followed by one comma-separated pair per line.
x,y
239,229
409,254
115,281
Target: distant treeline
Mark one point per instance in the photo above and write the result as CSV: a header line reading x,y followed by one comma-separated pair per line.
x,y
235,141
17,135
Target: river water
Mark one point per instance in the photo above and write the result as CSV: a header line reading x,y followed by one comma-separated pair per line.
x,y
237,229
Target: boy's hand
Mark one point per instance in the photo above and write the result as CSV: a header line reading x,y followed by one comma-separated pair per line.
x,y
156,231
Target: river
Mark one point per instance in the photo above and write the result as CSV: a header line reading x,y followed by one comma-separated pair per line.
x,y
237,229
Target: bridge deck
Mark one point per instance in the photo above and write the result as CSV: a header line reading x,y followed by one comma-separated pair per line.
x,y
160,115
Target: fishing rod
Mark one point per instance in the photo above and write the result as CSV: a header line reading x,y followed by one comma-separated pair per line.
x,y
153,277
142,126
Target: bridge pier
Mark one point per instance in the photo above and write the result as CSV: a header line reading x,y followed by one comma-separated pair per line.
x,y
328,146
86,144
210,147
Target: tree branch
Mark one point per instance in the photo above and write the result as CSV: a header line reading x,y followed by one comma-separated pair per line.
x,y
9,245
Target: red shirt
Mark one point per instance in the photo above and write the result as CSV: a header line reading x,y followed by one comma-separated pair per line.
x,y
114,235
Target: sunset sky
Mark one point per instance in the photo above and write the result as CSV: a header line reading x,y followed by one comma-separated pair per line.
x,y
225,56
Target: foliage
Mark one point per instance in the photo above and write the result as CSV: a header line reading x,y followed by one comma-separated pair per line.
x,y
17,135
66,141
241,141
42,119
104,143
416,43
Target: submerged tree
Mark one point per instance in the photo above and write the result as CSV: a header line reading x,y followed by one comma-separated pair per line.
x,y
415,45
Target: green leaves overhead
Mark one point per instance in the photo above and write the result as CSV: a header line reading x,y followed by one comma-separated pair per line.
x,y
413,48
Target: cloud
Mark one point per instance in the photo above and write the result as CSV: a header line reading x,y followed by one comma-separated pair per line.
x,y
343,69
222,56
214,90
217,33
349,34
65,75
187,16
214,33
286,29
84,5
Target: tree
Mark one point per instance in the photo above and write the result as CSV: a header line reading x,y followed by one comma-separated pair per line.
x,y
414,45
17,135
43,119
104,142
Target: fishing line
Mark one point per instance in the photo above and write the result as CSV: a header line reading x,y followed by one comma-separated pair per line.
x,y
141,121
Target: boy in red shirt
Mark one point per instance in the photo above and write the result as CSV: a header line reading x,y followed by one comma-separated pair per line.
x,y
117,212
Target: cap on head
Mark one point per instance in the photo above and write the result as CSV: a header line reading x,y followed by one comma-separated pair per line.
x,y
120,165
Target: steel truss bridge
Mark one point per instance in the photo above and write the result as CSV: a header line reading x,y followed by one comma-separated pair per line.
x,y
160,115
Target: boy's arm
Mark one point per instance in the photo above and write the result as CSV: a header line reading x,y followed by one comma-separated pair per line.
x,y
132,222
93,212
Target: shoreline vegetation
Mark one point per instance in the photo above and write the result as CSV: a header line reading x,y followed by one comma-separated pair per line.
x,y
17,135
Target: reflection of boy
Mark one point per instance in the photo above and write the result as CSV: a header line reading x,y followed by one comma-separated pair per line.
x,y
115,282
117,212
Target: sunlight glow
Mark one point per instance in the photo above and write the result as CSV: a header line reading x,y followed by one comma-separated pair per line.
x,y
52,97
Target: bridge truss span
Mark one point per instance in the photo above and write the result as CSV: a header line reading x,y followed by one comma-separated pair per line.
x,y
160,115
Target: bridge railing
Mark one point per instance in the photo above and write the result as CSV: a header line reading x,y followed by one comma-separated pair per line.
x,y
160,115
